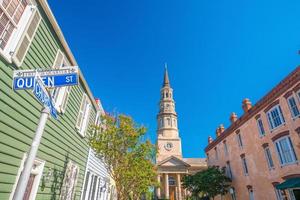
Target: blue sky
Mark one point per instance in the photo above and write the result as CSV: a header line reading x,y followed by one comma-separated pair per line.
x,y
218,53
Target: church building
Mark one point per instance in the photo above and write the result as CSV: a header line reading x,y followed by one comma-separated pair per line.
x,y
170,163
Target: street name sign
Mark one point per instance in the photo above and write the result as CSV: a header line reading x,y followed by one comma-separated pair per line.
x,y
43,96
51,78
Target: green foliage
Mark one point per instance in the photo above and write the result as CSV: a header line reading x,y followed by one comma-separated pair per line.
x,y
210,182
118,142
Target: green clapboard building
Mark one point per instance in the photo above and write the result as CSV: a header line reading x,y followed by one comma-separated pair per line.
x,y
30,38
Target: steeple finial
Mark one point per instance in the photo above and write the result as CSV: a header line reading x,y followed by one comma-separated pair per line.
x,y
166,77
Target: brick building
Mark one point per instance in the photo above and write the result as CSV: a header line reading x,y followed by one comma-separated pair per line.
x,y
260,149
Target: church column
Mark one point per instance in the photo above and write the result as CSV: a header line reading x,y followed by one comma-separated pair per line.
x,y
179,187
158,193
167,195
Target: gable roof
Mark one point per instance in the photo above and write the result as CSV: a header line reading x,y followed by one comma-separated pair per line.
x,y
173,158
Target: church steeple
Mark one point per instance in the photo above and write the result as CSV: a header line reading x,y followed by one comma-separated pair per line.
x,y
167,130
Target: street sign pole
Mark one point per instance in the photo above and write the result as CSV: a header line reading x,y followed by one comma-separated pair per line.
x,y
39,81
24,177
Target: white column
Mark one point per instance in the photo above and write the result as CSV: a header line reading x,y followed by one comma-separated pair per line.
x,y
158,193
179,187
167,195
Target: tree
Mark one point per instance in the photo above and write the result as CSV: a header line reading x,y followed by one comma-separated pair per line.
x,y
210,182
128,159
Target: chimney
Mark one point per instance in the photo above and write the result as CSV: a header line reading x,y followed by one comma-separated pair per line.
x,y
247,105
97,100
221,128
218,132
210,140
233,117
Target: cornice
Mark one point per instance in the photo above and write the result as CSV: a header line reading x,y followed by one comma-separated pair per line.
x,y
276,92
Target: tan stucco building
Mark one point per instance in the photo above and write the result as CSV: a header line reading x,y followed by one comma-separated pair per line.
x,y
261,149
170,163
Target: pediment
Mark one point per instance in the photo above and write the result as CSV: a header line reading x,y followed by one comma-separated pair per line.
x,y
173,162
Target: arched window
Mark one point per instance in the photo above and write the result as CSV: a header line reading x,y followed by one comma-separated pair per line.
x,y
167,95
169,121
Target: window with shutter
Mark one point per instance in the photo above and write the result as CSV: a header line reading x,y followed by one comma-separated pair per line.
x,y
14,18
60,95
26,39
83,115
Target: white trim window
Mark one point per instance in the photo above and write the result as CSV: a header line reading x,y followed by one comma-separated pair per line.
x,y
83,115
60,95
228,170
239,140
293,106
275,117
225,148
251,194
70,181
285,150
19,20
216,153
269,157
34,179
260,126
245,166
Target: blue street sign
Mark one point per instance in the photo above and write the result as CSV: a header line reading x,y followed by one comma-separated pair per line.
x,y
21,83
43,96
51,78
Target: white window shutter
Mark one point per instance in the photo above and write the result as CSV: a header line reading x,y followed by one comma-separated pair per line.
x,y
26,39
86,120
81,112
65,99
58,59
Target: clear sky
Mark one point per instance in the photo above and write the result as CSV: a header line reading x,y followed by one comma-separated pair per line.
x,y
218,53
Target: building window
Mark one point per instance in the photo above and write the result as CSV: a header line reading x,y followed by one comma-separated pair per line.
x,y
280,194
251,194
244,163
232,193
14,18
172,181
34,179
285,150
228,170
293,106
169,121
260,126
83,115
70,181
60,95
216,154
275,117
269,157
239,140
225,148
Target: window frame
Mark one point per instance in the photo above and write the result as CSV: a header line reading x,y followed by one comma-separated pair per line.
x,y
226,152
291,108
245,165
85,110
239,140
260,126
18,32
61,97
269,158
271,119
38,171
291,151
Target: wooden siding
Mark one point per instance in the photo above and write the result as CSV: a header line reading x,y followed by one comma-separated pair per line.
x,y
19,115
